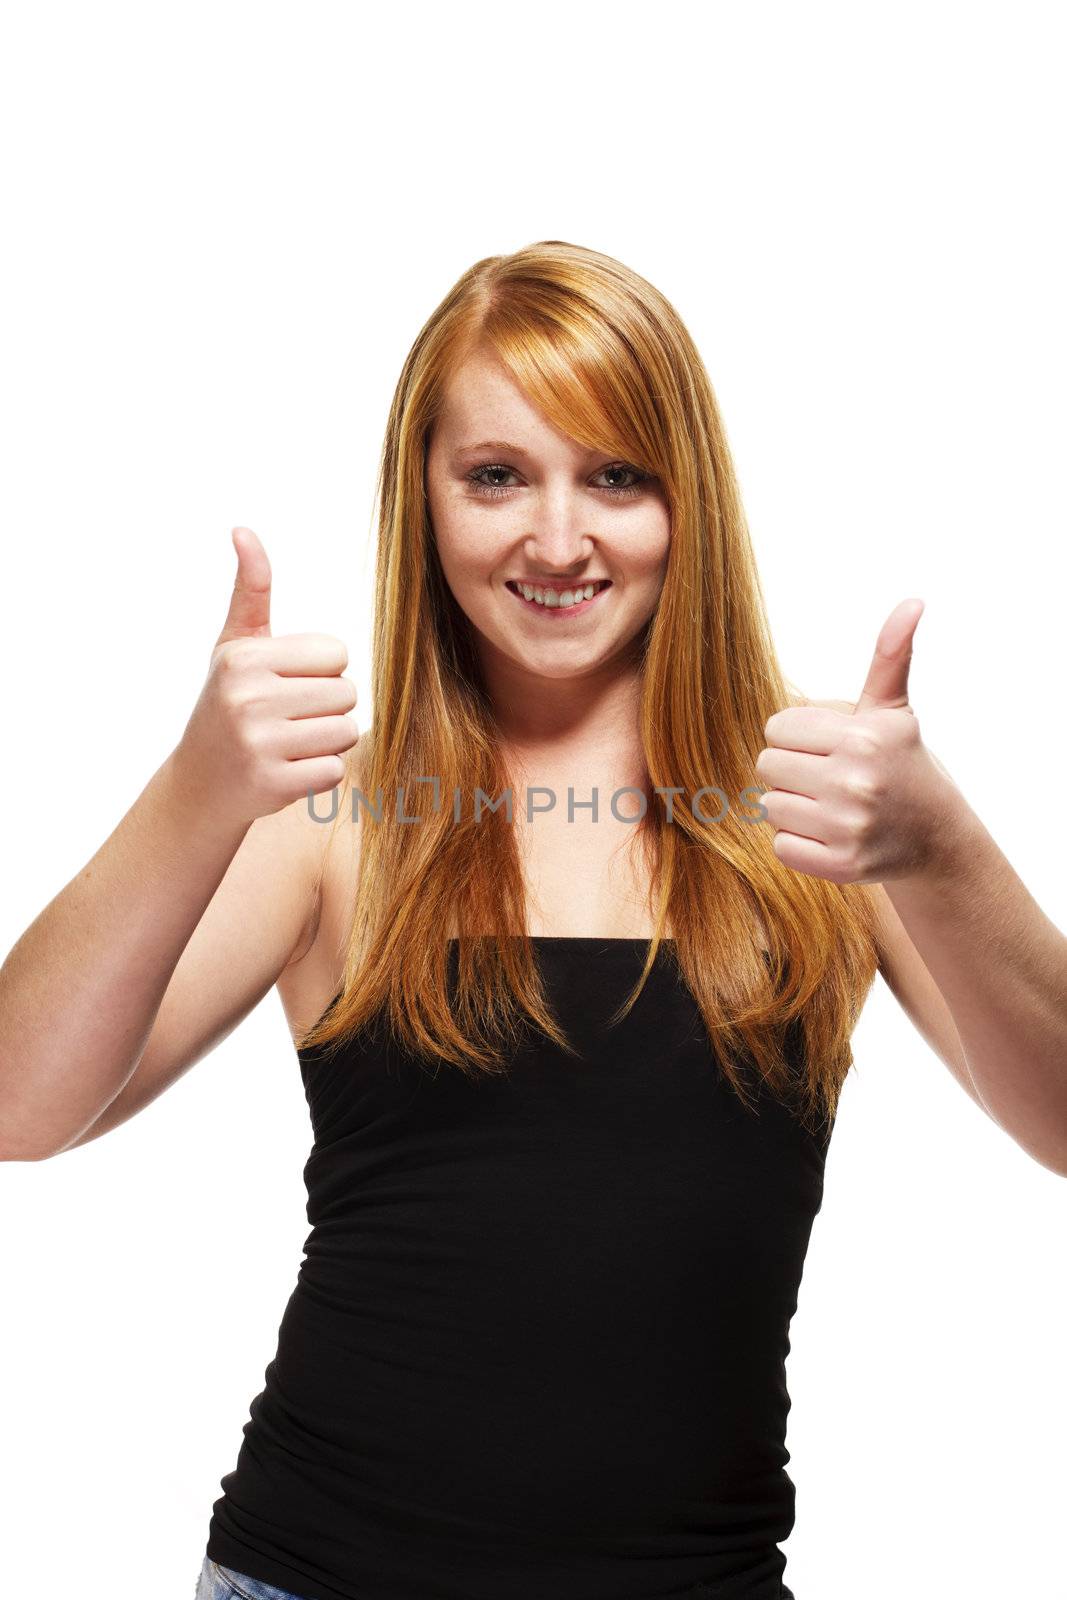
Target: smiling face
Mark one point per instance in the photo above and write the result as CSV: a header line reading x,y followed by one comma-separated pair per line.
x,y
541,514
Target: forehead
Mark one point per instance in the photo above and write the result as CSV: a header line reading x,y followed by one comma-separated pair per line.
x,y
482,402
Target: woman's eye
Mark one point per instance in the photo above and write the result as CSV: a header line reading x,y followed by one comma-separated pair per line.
x,y
480,486
478,483
637,476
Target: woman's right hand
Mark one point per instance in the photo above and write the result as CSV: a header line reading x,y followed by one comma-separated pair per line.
x,y
270,723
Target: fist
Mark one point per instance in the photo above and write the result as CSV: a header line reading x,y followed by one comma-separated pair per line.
x,y
851,790
270,724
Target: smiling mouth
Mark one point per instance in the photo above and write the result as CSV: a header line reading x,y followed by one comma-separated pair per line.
x,y
555,602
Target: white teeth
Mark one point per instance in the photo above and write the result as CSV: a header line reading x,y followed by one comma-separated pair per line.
x,y
552,597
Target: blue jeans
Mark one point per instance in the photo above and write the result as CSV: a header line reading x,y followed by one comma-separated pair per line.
x,y
224,1583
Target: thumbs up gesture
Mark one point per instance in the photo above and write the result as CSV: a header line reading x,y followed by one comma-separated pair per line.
x,y
270,724
853,794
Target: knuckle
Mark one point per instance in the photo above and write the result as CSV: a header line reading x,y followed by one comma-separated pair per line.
x,y
240,700
251,739
860,742
857,828
860,786
233,656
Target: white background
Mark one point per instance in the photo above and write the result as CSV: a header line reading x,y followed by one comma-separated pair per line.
x,y
225,225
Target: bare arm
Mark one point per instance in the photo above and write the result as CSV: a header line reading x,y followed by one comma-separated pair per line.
x,y
80,990
190,909
261,919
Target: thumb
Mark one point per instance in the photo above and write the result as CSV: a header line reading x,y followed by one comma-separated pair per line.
x,y
887,680
249,613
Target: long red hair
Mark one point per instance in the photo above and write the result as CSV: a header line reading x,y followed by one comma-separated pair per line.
x,y
605,357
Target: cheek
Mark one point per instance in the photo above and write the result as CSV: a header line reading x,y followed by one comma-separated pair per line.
x,y
650,557
469,551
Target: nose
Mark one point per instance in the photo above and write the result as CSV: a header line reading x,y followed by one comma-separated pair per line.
x,y
559,539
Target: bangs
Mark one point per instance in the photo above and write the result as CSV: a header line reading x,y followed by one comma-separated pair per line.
x,y
583,373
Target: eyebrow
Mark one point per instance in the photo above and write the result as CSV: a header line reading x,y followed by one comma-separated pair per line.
x,y
508,448
492,444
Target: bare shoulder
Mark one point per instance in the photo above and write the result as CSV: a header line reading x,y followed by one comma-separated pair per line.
x,y
332,836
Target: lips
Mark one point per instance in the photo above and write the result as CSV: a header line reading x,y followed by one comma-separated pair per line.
x,y
557,611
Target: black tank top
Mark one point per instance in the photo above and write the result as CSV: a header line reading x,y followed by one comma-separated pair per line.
x,y
537,1345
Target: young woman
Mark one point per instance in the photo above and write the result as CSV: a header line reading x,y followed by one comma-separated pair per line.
x,y
572,982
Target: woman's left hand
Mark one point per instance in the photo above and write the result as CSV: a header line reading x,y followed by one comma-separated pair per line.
x,y
855,796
